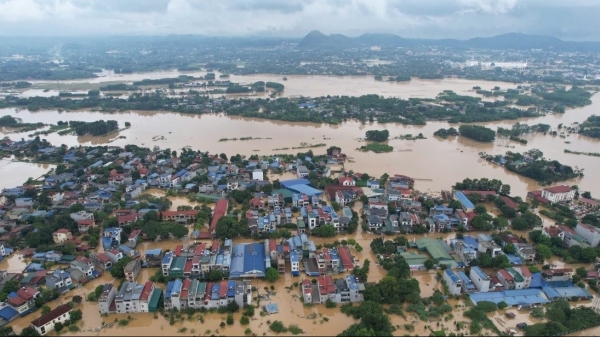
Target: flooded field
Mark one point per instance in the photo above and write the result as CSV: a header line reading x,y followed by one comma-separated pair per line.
x,y
14,173
295,85
436,163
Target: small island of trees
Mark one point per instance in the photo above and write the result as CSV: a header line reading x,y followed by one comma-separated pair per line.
x,y
478,133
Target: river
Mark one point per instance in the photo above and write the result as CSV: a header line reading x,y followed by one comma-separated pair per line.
x,y
440,163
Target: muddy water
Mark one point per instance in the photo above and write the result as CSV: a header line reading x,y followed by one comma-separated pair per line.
x,y
440,162
14,263
305,85
16,173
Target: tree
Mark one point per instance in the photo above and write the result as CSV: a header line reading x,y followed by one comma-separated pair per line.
x,y
29,331
330,304
230,320
429,264
509,249
223,156
480,209
7,331
437,298
117,269
543,252
502,305
45,309
58,326
244,320
377,135
272,275
76,315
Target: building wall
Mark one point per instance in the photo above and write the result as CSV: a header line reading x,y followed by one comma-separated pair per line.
x,y
454,288
50,325
483,285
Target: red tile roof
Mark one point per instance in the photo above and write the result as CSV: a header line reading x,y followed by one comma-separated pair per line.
x,y
509,202
146,291
272,245
220,210
188,266
176,213
507,276
558,189
135,233
52,315
525,272
178,250
185,289
17,301
208,293
200,248
215,246
223,289
62,231
345,257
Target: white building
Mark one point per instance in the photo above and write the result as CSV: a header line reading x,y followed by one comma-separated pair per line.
x,y
480,279
257,175
560,193
590,233
453,282
46,323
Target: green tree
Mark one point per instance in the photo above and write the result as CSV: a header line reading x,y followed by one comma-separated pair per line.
x,y
45,309
58,326
544,252
244,320
272,275
117,271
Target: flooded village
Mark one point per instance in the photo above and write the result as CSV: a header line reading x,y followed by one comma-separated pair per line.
x,y
186,242
215,224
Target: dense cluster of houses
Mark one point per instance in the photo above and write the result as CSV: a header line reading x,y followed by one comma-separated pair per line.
x,y
192,293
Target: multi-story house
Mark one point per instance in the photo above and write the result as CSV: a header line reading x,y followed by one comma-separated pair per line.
x,y
480,279
558,193
590,233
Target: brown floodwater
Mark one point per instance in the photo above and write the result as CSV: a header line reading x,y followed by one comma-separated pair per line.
x,y
303,85
14,173
436,163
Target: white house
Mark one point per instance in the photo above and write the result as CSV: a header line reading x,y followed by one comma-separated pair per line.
x,y
590,233
257,175
46,323
453,281
480,279
560,193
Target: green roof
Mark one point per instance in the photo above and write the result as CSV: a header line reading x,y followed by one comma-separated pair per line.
x,y
202,288
413,258
301,224
153,304
27,278
286,193
68,258
516,275
434,248
177,265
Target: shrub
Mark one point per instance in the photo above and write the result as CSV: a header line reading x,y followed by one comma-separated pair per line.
x,y
330,304
230,319
244,320
277,327
295,330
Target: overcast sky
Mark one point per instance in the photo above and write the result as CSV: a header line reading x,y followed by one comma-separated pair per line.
x,y
570,20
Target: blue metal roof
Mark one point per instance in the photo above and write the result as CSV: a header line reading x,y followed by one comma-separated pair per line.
x,y
293,257
215,291
304,189
231,288
512,297
167,258
452,276
7,313
462,198
169,289
287,183
479,272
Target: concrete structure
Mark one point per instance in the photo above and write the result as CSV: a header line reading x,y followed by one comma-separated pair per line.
x,y
453,282
257,175
467,205
107,297
46,322
135,298
480,279
132,269
61,235
560,193
590,233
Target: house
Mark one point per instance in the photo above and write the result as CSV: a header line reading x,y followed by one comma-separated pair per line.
x,y
373,184
467,205
132,269
558,274
302,171
133,238
127,219
590,233
526,251
46,323
59,279
346,181
453,282
84,225
506,279
85,266
101,260
560,193
106,299
24,202
480,279
136,298
61,235
374,222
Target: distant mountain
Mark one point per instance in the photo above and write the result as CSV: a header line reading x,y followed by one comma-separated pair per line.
x,y
318,40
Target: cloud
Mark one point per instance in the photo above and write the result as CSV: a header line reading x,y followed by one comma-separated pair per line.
x,y
294,18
